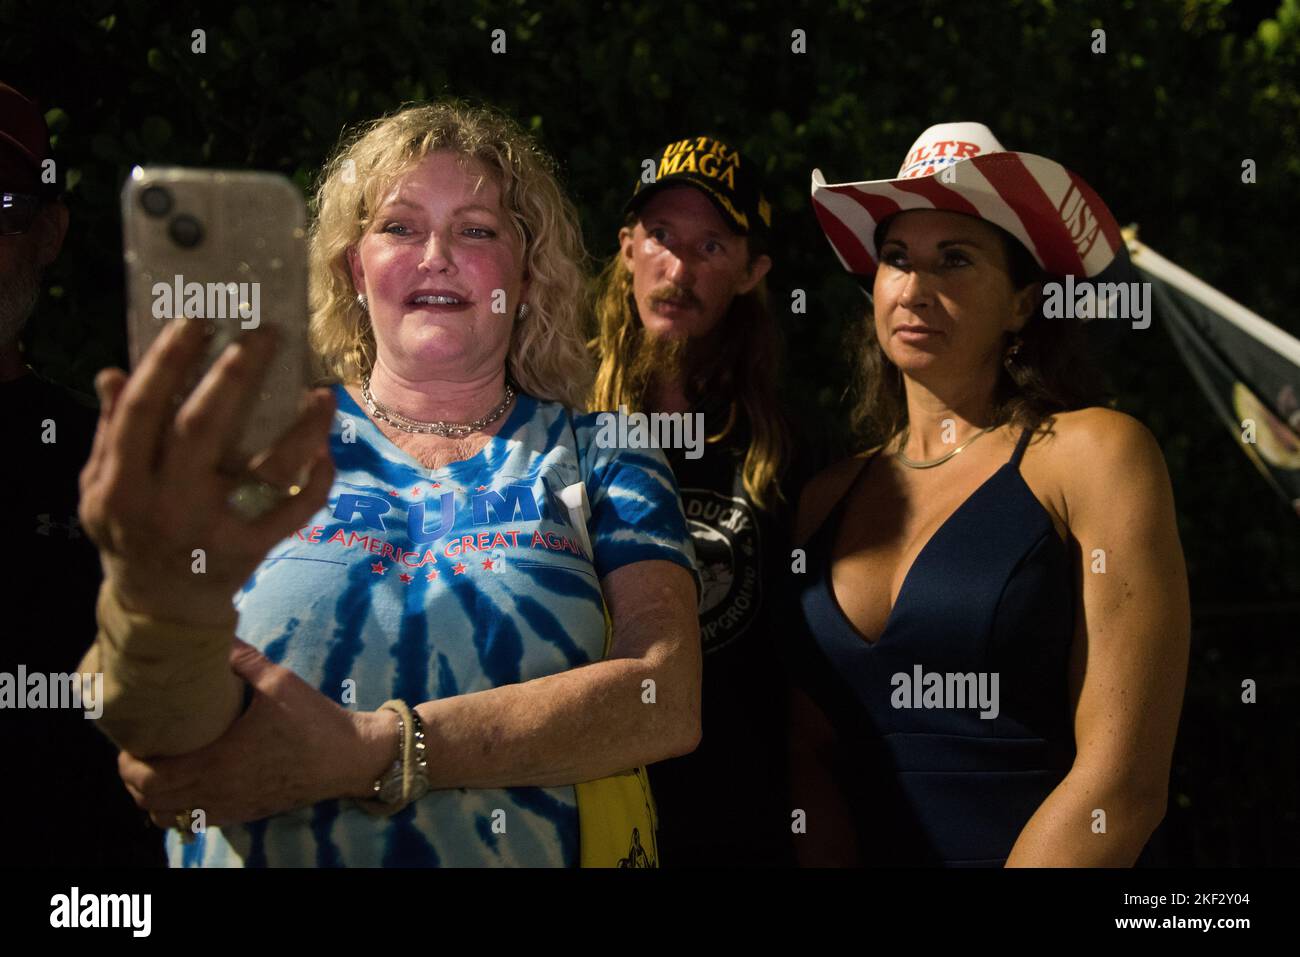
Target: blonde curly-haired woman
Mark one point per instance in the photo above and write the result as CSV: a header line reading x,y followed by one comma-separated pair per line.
x,y
433,573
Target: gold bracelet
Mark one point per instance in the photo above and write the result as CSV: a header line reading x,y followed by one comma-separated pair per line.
x,y
406,780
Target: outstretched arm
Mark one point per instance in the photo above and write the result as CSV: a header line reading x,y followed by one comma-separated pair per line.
x,y
173,553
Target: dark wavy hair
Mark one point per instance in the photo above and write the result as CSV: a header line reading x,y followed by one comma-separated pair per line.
x,y
1053,371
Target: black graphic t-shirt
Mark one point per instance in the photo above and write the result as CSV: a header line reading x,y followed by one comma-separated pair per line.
x,y
66,805
727,530
724,804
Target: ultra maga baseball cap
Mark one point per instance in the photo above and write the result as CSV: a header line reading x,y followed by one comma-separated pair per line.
x,y
729,181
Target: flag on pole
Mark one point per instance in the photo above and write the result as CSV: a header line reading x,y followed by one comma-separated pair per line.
x,y
1247,367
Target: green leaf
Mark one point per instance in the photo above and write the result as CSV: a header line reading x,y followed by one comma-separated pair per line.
x,y
1269,35
56,120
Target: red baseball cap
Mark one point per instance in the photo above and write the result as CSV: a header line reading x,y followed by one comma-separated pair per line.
x,y
24,139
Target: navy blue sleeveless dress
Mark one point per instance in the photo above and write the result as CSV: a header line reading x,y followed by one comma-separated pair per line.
x,y
990,593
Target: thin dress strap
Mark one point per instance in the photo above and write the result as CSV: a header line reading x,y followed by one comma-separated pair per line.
x,y
857,479
1019,453
832,519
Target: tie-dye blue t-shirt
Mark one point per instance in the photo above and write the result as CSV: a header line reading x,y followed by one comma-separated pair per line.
x,y
422,584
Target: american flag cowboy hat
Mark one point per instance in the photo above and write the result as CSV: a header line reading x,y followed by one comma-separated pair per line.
x,y
962,168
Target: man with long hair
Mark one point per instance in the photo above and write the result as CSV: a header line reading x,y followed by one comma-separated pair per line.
x,y
684,328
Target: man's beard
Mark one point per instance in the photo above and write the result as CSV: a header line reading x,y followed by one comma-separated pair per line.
x,y
19,290
658,360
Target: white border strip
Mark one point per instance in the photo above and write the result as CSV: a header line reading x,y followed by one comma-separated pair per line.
x,y
1248,322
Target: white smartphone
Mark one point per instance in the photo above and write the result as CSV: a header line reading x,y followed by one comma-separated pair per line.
x,y
229,248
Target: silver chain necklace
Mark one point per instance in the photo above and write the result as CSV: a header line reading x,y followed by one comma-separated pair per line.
x,y
913,464
455,430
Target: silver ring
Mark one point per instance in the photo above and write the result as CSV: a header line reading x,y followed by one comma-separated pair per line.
x,y
253,498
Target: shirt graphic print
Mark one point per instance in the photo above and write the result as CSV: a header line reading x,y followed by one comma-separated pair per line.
x,y
422,585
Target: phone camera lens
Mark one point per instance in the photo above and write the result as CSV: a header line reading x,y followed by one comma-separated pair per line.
x,y
185,231
156,201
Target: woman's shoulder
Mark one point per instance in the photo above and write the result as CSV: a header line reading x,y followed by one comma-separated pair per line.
x,y
1099,454
604,447
1096,434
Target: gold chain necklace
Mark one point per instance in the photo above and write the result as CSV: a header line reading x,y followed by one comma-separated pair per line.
x,y
913,464
456,430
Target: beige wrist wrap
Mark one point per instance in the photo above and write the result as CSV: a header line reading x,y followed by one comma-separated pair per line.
x,y
168,687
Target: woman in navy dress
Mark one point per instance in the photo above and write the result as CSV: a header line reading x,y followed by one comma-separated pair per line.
x,y
992,630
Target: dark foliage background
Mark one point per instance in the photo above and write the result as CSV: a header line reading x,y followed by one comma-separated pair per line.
x,y
1160,124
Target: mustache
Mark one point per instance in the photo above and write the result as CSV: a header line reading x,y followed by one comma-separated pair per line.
x,y
678,295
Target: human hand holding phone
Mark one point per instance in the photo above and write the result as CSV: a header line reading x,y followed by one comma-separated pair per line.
x,y
212,450
155,498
